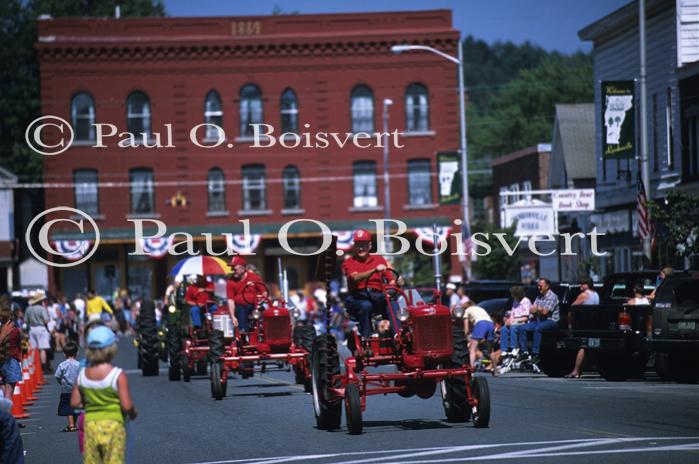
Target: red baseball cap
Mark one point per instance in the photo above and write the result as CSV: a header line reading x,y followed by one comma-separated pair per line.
x,y
361,235
237,261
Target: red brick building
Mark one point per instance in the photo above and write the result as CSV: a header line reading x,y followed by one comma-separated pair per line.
x,y
330,72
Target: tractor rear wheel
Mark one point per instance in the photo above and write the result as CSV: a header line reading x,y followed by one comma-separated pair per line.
x,y
326,365
148,343
218,383
303,336
353,409
480,390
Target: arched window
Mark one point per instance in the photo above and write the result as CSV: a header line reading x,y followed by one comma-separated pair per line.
x,y
86,191
213,114
362,108
417,108
138,113
250,109
419,182
364,180
142,191
82,111
289,111
217,191
292,187
254,187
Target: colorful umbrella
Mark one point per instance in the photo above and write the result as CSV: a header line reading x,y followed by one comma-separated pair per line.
x,y
202,265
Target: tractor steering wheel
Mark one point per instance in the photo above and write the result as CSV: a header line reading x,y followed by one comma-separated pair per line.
x,y
255,293
392,290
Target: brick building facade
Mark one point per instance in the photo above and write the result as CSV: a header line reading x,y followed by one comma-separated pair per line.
x,y
298,73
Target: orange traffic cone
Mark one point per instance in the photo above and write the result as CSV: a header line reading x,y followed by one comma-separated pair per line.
x,y
23,394
17,408
28,387
38,371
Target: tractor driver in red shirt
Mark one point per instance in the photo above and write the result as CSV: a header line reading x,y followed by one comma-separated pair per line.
x,y
197,296
238,308
357,270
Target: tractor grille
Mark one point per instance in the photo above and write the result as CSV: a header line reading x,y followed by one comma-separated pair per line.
x,y
432,334
278,330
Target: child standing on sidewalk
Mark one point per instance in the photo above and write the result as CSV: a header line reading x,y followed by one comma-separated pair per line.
x,y
103,391
67,376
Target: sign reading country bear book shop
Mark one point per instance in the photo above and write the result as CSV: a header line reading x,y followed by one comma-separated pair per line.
x,y
618,115
449,172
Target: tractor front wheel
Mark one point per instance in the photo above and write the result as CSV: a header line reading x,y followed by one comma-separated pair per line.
x,y
218,383
186,370
326,365
480,390
353,409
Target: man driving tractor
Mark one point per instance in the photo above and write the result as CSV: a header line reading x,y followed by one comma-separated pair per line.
x,y
359,269
198,294
238,308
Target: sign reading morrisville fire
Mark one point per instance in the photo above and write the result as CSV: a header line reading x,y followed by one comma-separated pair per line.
x,y
618,114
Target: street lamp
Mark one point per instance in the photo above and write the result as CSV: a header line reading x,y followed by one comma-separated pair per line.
x,y
386,185
397,49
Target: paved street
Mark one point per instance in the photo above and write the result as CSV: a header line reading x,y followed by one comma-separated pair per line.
x,y
268,420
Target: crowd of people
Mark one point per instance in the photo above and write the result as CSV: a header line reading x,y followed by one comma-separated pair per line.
x,y
94,395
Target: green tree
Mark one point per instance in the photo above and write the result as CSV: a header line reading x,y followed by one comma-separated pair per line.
x,y
19,78
498,264
676,223
522,113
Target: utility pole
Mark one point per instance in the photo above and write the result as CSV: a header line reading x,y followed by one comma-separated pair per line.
x,y
645,163
386,185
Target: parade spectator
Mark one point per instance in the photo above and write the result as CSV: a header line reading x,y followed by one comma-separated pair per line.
x,y
479,325
357,269
638,297
242,277
126,310
103,391
96,306
10,352
518,316
587,296
666,272
545,315
80,305
37,319
67,375
452,298
11,446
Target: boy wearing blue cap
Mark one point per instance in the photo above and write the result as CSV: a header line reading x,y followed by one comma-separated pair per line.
x,y
103,392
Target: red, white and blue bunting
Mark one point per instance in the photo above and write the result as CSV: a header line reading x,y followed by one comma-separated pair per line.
x,y
344,239
243,244
156,247
72,250
427,234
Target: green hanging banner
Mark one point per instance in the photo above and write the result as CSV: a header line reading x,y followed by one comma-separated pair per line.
x,y
449,172
619,118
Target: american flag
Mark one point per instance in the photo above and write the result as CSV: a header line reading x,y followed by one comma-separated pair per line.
x,y
642,211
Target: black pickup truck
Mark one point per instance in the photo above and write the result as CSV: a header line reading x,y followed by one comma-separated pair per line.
x,y
614,333
675,337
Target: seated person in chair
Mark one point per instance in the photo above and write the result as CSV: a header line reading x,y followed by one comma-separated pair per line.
x,y
198,296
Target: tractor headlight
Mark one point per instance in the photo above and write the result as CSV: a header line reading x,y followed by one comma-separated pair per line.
x,y
256,314
171,309
457,312
403,314
295,313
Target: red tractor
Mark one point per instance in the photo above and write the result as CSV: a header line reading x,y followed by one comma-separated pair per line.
x,y
428,350
195,348
270,340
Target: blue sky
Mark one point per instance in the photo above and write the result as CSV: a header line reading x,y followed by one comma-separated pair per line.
x,y
552,24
